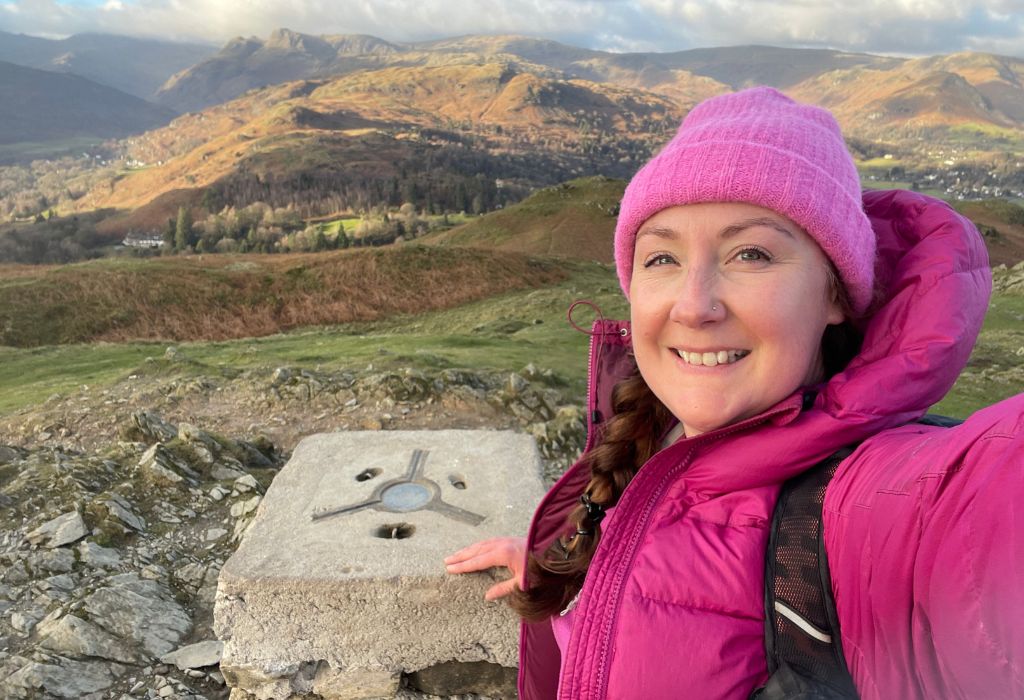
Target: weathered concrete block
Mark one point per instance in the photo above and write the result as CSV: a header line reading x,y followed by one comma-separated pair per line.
x,y
338,586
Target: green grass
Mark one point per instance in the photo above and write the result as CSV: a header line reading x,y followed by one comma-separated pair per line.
x,y
469,336
29,150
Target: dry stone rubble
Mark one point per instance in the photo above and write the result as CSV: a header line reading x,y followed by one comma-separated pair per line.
x,y
117,510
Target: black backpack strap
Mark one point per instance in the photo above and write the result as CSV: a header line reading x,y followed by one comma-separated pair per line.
x,y
805,656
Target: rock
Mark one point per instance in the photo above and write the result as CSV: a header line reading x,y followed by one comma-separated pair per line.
x,y
99,557
371,424
121,509
10,454
73,636
53,560
456,678
62,530
281,375
223,472
517,384
243,508
246,484
218,493
150,427
61,581
195,655
23,622
160,467
139,610
215,533
64,678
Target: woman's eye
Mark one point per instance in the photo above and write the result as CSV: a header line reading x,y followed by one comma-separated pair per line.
x,y
659,259
753,255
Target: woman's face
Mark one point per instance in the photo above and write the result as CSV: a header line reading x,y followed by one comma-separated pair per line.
x,y
728,306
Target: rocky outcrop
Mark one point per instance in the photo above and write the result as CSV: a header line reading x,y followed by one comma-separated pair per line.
x,y
118,509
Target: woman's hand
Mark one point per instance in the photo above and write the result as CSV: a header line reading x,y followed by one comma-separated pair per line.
x,y
509,552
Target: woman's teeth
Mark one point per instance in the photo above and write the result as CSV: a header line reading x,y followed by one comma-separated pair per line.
x,y
710,359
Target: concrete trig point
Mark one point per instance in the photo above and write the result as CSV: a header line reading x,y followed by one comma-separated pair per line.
x,y
338,587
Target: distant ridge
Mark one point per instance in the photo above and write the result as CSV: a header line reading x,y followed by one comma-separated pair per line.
x,y
44,106
133,65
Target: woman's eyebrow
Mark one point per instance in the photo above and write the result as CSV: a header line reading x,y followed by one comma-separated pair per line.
x,y
739,226
659,231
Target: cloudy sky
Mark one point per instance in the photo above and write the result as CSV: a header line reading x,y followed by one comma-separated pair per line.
x,y
905,27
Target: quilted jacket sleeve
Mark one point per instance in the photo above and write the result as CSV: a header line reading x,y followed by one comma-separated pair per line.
x,y
924,530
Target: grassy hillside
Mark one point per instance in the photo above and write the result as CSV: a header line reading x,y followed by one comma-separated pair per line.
x,y
220,297
505,331
575,219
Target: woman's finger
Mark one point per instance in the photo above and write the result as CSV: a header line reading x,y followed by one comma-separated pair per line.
x,y
482,560
500,590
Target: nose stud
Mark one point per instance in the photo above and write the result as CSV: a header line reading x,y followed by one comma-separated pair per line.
x,y
714,307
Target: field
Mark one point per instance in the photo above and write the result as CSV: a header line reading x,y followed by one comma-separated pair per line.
x,y
505,331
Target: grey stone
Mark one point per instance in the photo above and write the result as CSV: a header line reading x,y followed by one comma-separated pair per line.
x,y
121,509
215,533
61,581
246,484
159,466
73,636
63,678
9,454
195,655
153,427
53,560
223,472
62,530
23,622
139,610
243,508
361,596
99,557
454,678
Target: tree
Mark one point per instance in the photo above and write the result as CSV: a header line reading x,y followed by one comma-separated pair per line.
x,y
183,229
169,235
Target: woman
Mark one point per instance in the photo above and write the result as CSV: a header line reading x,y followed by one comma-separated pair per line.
x,y
754,270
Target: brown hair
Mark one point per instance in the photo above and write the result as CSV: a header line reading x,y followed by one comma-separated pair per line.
x,y
630,438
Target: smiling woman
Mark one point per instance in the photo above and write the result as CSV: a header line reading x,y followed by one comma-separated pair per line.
x,y
780,319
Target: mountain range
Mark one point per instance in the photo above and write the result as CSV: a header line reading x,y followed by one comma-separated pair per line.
x,y
138,67
327,124
42,105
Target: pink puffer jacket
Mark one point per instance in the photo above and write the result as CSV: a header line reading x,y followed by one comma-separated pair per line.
x,y
924,527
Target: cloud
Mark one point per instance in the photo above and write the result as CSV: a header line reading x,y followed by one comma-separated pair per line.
x,y
881,26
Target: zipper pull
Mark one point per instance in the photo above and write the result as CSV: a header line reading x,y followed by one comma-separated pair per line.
x,y
571,605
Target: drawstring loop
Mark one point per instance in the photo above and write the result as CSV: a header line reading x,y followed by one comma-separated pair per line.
x,y
584,302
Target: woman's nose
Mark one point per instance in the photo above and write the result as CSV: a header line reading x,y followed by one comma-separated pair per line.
x,y
697,301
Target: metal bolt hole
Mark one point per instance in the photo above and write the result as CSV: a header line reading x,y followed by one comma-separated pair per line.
x,y
368,474
458,481
395,531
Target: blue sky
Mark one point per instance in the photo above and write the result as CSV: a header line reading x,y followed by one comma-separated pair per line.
x,y
903,27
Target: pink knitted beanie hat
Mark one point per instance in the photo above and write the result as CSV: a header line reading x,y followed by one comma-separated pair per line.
x,y
759,147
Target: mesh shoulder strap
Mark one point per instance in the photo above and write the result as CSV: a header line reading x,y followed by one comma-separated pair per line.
x,y
805,657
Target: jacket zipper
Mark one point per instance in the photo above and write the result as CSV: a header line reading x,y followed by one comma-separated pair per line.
x,y
639,528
